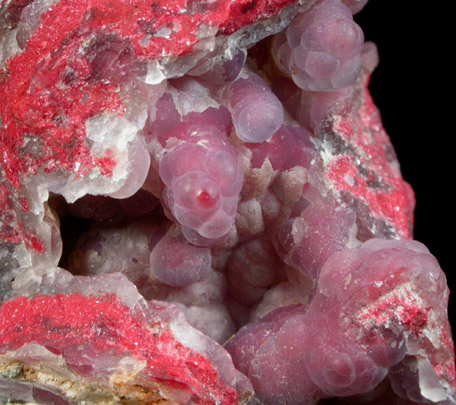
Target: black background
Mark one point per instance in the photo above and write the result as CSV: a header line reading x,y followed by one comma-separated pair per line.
x,y
412,86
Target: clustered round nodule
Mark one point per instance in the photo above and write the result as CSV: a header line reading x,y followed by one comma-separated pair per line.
x,y
226,214
321,48
274,352
203,182
257,112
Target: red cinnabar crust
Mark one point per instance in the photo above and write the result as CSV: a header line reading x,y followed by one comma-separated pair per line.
x,y
93,327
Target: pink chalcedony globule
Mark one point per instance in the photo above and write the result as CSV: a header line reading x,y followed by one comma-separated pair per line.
x,y
199,205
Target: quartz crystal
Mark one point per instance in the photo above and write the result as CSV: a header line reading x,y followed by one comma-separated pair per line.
x,y
199,205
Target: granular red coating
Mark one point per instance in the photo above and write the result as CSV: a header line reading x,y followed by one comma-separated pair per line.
x,y
365,167
37,94
99,325
244,12
45,92
415,321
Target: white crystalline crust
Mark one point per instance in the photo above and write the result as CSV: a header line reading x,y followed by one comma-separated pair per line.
x,y
32,368
431,387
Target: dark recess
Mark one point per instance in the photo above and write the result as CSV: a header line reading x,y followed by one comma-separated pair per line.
x,y
71,229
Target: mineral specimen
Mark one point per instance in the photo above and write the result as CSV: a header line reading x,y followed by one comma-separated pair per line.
x,y
199,204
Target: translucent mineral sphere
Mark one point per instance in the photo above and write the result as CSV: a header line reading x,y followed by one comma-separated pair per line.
x,y
203,182
176,263
256,111
322,47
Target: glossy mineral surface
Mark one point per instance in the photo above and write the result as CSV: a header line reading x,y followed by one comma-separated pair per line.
x,y
199,205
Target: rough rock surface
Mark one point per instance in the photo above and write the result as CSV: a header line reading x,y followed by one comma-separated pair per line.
x,y
199,204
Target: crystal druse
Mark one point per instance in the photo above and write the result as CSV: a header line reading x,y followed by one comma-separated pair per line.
x,y
199,205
